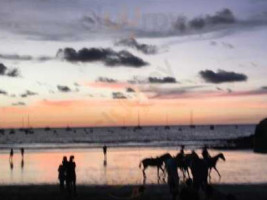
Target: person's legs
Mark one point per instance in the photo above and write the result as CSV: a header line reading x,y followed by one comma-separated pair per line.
x,y
74,185
68,186
61,184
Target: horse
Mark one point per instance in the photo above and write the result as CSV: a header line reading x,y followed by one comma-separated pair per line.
x,y
155,162
199,169
212,162
183,163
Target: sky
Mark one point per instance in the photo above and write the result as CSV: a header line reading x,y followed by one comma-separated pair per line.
x,y
108,63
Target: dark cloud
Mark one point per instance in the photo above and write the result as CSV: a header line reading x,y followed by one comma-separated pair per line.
x,y
224,16
63,88
222,76
130,90
197,23
108,56
17,57
28,93
13,73
132,43
229,90
162,80
20,103
3,92
118,95
106,80
264,87
4,71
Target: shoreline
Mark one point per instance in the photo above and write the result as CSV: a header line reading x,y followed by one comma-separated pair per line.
x,y
101,192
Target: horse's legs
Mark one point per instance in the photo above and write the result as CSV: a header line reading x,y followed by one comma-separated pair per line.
x,y
162,171
183,171
144,173
217,172
188,172
210,174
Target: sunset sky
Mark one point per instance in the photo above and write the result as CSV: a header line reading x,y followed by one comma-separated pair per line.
x,y
104,62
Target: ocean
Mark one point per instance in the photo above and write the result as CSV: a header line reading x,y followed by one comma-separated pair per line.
x,y
155,136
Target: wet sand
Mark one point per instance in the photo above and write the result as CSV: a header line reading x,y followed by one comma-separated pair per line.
x,y
40,166
155,192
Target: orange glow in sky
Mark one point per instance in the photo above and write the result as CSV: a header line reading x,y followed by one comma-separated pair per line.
x,y
208,110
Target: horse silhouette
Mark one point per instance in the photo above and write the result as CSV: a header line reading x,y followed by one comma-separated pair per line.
x,y
212,162
155,162
199,169
183,163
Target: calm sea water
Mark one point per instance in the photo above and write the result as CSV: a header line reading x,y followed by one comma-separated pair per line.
x,y
40,166
123,137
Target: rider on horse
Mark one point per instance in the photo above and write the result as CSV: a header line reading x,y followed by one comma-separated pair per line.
x,y
205,153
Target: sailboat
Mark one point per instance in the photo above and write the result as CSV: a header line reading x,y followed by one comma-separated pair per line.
x,y
123,126
191,120
212,127
167,127
138,127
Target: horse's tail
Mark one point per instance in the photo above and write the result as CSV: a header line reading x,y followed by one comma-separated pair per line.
x,y
140,164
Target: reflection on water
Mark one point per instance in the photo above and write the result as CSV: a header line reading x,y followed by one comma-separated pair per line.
x,y
122,166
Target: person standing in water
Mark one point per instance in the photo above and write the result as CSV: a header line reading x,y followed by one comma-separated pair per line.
x,y
22,152
105,151
11,155
105,155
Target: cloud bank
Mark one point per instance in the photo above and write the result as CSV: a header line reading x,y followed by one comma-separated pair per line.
x,y
162,80
4,71
132,43
222,76
63,88
108,56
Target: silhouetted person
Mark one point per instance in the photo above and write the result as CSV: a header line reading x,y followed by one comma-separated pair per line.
x,y
71,175
65,163
205,153
173,178
11,156
11,165
22,152
105,151
61,176
22,163
62,173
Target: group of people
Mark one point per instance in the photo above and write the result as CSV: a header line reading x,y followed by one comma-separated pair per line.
x,y
67,175
11,154
67,172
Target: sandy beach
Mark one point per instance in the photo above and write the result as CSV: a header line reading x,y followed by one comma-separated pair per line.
x,y
155,192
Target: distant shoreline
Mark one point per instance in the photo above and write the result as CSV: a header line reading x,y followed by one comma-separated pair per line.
x,y
240,143
126,126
